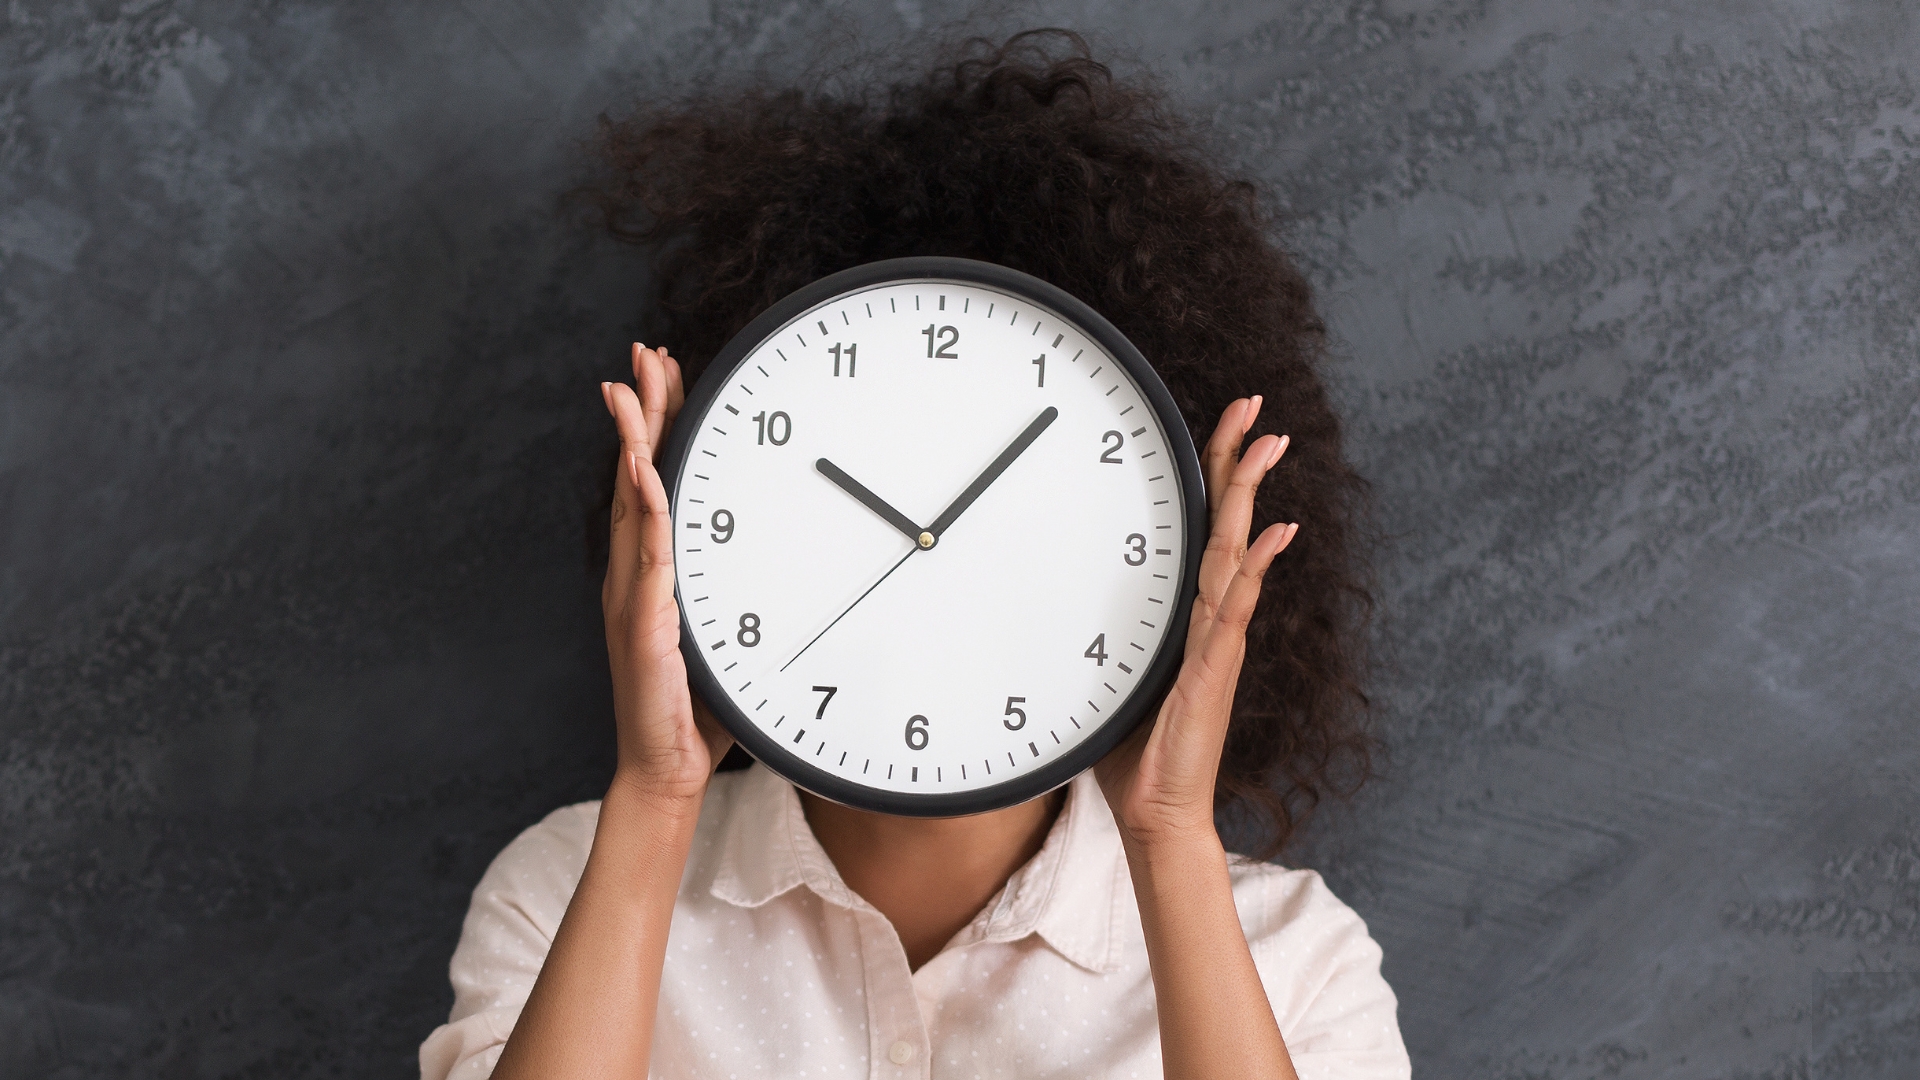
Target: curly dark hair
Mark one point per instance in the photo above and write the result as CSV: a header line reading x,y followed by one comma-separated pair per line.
x,y
1031,154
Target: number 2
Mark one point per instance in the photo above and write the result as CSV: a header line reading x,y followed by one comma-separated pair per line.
x,y
1109,455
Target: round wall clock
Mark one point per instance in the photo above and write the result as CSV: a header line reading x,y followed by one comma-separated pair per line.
x,y
937,532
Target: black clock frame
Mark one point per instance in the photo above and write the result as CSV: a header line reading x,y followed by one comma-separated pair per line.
x,y
1155,678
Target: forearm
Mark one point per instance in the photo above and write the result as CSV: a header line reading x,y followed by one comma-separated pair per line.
x,y
1215,1020
591,1011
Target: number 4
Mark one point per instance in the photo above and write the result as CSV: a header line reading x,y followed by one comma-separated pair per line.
x,y
1097,652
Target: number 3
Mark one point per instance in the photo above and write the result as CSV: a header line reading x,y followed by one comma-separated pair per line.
x,y
1137,545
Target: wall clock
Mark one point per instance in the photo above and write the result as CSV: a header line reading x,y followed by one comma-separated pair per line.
x,y
937,532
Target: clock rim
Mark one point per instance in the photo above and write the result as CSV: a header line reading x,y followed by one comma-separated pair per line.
x,y
1155,678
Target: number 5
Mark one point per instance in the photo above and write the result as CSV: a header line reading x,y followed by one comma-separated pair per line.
x,y
1011,711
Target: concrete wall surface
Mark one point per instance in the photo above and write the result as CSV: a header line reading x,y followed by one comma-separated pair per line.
x,y
298,430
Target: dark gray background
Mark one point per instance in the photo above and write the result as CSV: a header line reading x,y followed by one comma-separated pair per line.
x,y
298,427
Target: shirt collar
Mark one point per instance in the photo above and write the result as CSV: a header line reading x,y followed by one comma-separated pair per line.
x,y
1070,893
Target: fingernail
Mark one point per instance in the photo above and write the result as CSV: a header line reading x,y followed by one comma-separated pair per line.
x,y
639,344
1253,410
1279,448
633,467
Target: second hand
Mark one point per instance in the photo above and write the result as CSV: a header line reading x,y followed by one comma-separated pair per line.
x,y
856,603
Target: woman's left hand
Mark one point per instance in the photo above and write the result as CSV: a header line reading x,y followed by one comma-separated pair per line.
x,y
1160,781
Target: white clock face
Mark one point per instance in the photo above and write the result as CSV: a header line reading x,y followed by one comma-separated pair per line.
x,y
909,414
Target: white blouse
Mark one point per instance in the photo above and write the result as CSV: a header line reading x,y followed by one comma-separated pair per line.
x,y
775,968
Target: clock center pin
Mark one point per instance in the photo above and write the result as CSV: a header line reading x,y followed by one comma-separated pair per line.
x,y
926,541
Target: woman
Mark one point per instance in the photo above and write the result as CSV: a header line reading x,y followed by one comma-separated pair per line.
x,y
725,924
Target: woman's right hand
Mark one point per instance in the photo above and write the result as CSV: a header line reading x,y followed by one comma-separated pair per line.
x,y
668,742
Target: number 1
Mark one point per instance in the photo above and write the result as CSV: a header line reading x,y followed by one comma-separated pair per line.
x,y
1041,363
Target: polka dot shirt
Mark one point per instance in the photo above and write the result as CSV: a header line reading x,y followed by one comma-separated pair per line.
x,y
775,968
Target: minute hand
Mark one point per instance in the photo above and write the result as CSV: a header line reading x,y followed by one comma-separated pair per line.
x,y
980,483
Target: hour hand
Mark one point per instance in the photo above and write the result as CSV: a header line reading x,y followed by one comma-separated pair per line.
x,y
874,502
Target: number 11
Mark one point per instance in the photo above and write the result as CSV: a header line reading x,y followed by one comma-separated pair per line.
x,y
836,358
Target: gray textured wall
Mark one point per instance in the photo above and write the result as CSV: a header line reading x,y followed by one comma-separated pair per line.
x,y
296,411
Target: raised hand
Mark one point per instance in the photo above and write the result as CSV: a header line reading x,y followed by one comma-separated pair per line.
x,y
668,743
590,1012
1160,781
1214,1016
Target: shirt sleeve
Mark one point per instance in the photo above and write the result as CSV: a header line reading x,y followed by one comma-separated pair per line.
x,y
509,927
1321,970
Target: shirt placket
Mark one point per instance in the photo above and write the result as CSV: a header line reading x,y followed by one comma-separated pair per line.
x,y
897,1044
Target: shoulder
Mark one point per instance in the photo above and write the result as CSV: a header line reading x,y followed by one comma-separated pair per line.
x,y
1321,969
1291,909
543,864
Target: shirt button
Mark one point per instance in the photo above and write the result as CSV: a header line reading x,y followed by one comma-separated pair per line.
x,y
901,1053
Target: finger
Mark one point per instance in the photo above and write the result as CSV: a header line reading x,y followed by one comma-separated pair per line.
x,y
676,388
1223,448
653,581
650,376
1226,639
1226,544
717,738
632,505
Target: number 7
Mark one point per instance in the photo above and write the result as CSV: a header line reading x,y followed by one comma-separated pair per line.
x,y
829,691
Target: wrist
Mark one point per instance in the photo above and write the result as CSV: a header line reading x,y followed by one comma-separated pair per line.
x,y
662,801
1172,842
1173,870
